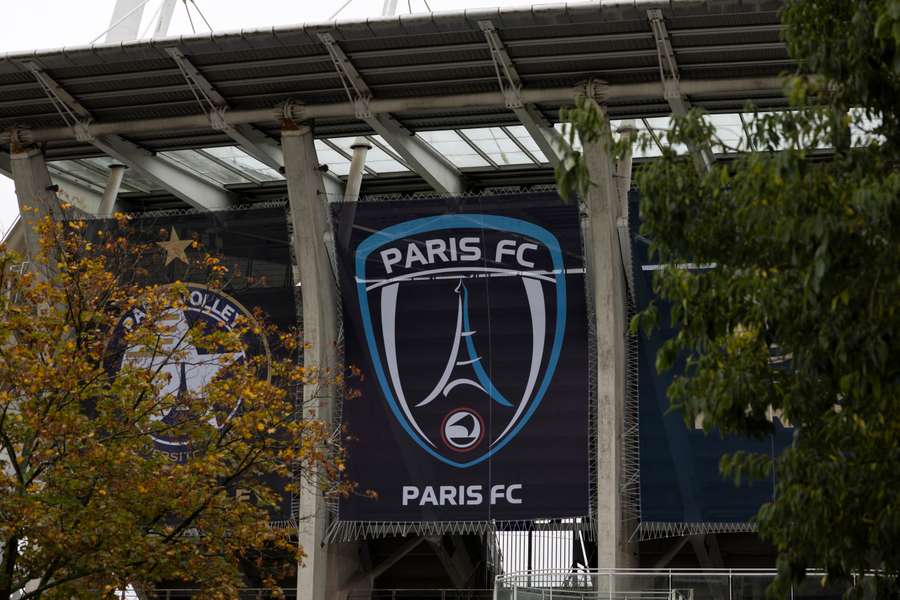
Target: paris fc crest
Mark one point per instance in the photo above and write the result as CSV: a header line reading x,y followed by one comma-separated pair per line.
x,y
466,379
181,367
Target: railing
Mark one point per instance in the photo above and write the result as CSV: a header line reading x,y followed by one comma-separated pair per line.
x,y
244,594
290,594
656,584
422,594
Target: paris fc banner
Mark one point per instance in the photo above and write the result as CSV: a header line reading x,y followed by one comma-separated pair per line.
x,y
467,319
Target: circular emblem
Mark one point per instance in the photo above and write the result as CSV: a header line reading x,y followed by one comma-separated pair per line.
x,y
183,368
462,429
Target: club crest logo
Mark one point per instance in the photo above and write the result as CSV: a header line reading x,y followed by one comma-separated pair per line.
x,y
182,367
464,318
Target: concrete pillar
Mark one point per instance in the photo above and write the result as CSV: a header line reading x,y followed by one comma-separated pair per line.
x,y
310,221
602,209
35,193
360,147
108,202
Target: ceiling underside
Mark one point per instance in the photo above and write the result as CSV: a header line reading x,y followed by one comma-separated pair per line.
x,y
552,46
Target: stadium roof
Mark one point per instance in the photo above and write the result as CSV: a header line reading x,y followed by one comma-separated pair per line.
x,y
435,74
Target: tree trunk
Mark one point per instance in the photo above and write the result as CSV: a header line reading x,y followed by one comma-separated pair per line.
x,y
10,552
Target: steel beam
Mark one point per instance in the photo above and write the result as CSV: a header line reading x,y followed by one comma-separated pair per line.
x,y
251,140
431,166
544,135
165,18
125,23
190,188
617,92
668,71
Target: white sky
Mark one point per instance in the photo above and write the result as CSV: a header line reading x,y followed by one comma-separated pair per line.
x,y
39,24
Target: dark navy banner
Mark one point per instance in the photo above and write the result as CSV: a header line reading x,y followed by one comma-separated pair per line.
x,y
679,467
253,244
467,319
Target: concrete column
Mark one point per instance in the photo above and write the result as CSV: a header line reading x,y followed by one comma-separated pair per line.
x,y
35,193
108,202
602,208
360,147
310,220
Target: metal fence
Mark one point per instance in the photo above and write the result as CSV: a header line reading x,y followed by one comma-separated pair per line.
x,y
652,584
244,594
413,594
290,594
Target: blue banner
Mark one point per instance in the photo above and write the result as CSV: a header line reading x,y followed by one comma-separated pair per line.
x,y
679,466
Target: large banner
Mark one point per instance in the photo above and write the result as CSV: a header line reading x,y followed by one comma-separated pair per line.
x,y
253,244
679,467
467,319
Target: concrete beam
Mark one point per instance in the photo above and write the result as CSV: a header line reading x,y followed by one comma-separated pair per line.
x,y
367,580
334,187
650,90
431,166
311,227
458,564
190,188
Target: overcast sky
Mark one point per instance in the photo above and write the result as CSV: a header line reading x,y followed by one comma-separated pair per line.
x,y
40,24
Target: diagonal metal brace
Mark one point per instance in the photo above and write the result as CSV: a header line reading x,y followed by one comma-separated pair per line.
x,y
551,143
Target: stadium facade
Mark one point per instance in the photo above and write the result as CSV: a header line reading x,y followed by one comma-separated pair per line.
x,y
400,138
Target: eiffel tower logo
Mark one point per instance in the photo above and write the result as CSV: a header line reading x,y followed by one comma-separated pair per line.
x,y
454,374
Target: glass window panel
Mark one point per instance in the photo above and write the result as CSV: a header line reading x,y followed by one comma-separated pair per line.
x,y
660,127
80,172
452,147
133,180
242,161
376,159
382,162
494,142
862,128
563,129
521,134
730,130
336,161
644,146
203,166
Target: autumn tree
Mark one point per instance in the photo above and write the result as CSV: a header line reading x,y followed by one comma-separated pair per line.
x,y
801,312
99,366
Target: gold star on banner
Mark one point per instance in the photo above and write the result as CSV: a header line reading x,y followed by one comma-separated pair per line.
x,y
175,248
